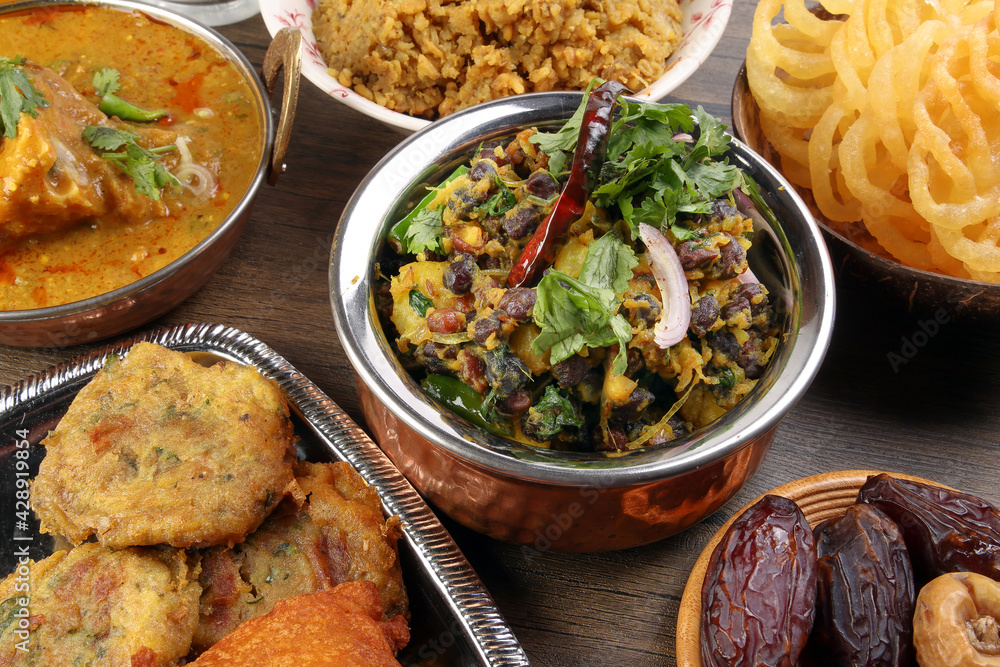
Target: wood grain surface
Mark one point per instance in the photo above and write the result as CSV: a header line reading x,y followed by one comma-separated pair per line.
x,y
912,392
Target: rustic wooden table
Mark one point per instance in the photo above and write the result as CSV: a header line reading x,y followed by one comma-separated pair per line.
x,y
914,392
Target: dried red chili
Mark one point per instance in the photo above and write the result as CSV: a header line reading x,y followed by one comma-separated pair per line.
x,y
588,157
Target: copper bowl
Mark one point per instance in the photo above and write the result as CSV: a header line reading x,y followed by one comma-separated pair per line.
x,y
135,304
562,500
917,290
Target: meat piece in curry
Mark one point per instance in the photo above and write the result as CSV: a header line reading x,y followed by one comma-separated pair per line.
x,y
52,179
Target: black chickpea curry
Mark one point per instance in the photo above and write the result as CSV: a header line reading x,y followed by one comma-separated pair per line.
x,y
586,289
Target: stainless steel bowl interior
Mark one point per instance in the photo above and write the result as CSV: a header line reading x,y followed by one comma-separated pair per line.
x,y
84,314
789,257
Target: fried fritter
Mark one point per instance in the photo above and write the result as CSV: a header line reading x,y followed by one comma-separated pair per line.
x,y
158,449
338,535
356,533
93,606
339,627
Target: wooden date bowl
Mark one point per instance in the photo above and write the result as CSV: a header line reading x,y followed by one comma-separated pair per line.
x,y
820,497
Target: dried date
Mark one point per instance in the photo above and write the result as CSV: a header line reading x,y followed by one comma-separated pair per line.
x,y
945,531
955,622
865,591
759,592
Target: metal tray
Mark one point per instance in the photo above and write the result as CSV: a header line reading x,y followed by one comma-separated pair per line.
x,y
454,619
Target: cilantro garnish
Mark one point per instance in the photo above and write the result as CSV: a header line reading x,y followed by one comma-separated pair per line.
x,y
425,231
17,95
553,413
140,164
727,379
565,138
609,263
559,145
415,236
712,139
645,163
501,202
574,314
683,233
420,303
106,81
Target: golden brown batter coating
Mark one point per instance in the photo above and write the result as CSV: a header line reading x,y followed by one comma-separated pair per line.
x,y
338,535
158,449
99,607
336,627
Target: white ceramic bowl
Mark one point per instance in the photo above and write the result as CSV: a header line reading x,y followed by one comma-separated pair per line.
x,y
702,26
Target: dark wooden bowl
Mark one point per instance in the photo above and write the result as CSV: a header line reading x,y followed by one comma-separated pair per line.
x,y
921,292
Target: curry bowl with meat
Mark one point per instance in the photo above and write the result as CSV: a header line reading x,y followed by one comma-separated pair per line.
x,y
577,341
133,144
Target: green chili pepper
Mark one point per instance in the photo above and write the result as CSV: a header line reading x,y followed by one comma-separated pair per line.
x,y
419,302
464,401
727,378
112,105
398,231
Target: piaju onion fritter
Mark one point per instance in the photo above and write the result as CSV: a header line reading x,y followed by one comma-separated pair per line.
x,y
91,605
158,449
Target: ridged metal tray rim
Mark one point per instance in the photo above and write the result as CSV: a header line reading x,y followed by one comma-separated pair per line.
x,y
438,555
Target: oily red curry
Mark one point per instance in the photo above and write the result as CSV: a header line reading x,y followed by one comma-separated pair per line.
x,y
73,224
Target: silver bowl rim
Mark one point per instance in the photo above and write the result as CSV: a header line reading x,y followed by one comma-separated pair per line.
x,y
243,64
441,146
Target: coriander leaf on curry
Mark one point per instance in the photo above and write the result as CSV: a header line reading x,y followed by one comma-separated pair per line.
x,y
17,95
139,163
106,81
609,304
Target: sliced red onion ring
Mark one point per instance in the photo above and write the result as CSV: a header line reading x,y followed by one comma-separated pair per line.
x,y
745,206
748,277
675,316
683,136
